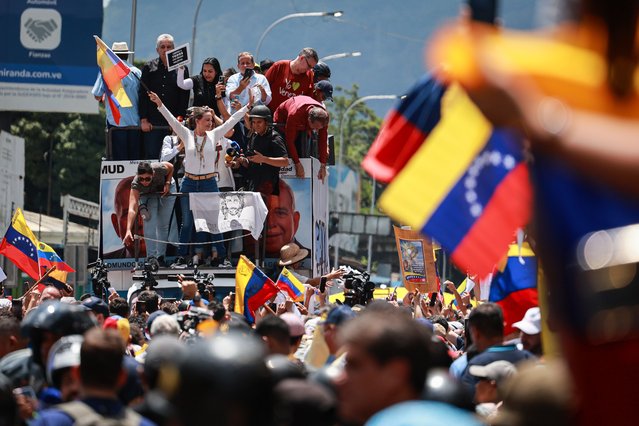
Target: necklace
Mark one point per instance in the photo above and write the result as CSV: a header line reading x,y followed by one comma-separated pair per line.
x,y
199,148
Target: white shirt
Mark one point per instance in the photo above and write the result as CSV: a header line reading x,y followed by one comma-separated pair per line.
x,y
234,82
199,158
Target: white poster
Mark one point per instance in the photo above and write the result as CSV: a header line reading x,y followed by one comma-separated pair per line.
x,y
320,223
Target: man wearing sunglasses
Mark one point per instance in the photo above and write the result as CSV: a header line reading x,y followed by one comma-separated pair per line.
x,y
292,78
148,195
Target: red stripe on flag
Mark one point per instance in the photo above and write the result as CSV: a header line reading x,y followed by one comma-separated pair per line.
x,y
394,146
487,241
515,306
21,260
115,110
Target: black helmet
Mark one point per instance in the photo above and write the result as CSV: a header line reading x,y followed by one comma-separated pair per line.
x,y
225,375
59,318
321,69
261,111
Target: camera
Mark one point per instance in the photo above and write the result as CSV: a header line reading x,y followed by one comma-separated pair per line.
x,y
189,320
99,278
204,282
151,265
358,290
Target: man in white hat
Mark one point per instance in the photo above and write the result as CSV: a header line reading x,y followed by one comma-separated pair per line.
x,y
530,328
125,144
291,256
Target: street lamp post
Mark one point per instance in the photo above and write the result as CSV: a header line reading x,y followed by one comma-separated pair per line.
x,y
340,56
197,12
335,14
340,158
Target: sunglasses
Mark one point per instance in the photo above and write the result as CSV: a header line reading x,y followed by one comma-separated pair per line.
x,y
145,179
308,63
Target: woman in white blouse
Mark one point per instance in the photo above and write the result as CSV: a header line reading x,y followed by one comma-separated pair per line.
x,y
200,161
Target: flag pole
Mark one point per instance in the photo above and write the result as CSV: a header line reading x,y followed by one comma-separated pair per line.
x,y
45,275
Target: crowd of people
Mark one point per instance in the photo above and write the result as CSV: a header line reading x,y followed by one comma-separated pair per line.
x,y
240,128
146,361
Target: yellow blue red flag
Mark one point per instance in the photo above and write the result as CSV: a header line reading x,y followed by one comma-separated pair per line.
x,y
514,285
20,246
289,283
113,70
252,288
466,185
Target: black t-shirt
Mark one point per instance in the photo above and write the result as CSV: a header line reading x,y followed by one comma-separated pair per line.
x,y
204,93
163,82
265,178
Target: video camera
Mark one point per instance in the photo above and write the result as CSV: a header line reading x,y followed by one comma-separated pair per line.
x,y
358,290
99,278
190,319
204,282
150,266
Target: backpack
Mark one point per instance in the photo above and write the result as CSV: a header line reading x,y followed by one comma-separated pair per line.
x,y
83,415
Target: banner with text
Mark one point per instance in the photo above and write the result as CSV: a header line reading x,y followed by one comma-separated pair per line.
x,y
48,62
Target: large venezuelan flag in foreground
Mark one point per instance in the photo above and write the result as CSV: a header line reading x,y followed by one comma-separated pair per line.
x,y
514,287
252,288
465,186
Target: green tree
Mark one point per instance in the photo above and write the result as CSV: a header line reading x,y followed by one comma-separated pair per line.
x,y
78,144
360,129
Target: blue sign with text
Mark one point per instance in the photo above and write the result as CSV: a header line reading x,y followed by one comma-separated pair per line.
x,y
48,44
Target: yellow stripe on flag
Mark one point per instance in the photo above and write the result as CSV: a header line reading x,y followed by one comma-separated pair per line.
x,y
422,185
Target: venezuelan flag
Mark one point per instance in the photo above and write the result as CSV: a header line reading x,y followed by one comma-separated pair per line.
x,y
113,71
252,288
467,187
288,283
405,129
47,257
19,245
514,286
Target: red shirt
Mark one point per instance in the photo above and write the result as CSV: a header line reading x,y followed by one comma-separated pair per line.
x,y
292,115
284,84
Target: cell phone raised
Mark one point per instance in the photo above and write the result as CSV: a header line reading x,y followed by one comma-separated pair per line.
x,y
248,73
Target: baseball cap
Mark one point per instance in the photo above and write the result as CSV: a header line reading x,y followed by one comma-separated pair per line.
x,y
531,323
339,315
326,87
498,371
97,305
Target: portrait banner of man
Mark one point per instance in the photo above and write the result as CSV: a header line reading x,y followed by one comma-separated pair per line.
x,y
115,190
217,212
290,215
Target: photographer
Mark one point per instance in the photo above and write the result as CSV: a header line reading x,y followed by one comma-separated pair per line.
x,y
151,180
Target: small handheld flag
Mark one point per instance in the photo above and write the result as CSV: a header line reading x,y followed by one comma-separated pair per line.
x,y
289,283
252,288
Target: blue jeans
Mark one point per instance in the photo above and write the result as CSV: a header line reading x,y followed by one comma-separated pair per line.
x,y
158,227
186,233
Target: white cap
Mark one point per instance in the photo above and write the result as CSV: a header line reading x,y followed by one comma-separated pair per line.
x,y
531,323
